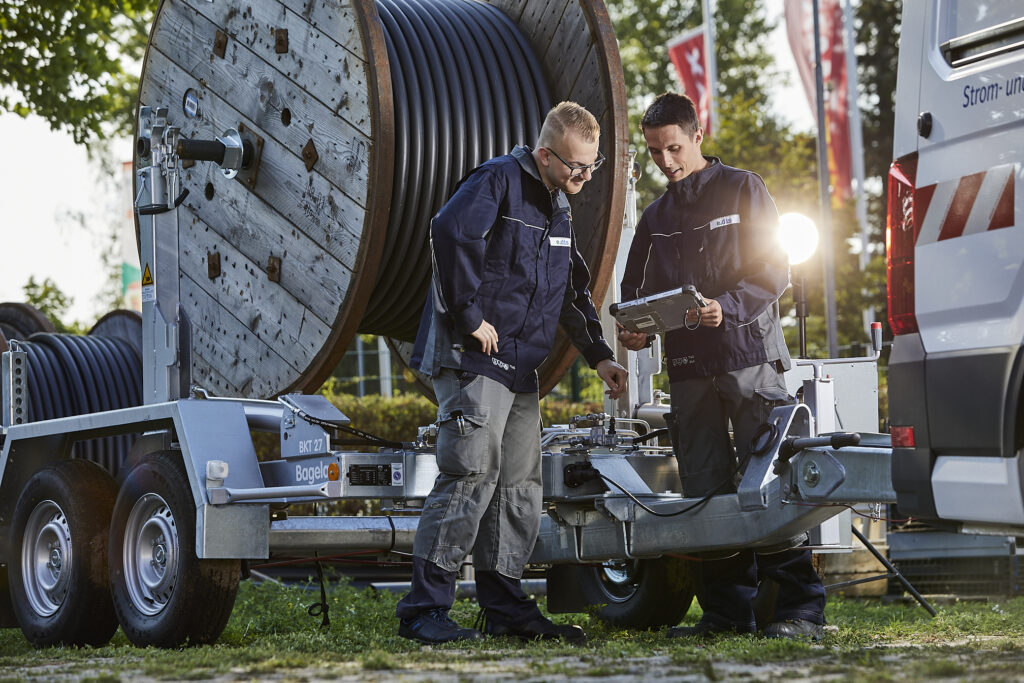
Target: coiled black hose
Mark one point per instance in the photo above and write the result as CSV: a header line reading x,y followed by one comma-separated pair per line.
x,y
74,375
466,87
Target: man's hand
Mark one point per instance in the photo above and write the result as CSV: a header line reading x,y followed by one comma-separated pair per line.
x,y
634,341
710,315
614,375
488,337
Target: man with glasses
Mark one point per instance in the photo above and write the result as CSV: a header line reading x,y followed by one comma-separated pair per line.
x,y
506,273
715,229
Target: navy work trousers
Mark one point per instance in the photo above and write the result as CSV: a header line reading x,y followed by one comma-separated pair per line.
x,y
703,408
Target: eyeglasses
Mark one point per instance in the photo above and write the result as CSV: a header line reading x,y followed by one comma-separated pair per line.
x,y
576,171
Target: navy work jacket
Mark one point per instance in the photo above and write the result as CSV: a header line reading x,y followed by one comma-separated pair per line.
x,y
716,230
504,251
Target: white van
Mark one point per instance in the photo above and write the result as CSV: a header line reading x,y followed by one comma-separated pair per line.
x,y
955,244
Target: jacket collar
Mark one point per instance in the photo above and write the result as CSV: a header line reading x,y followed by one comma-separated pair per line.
x,y
524,155
693,184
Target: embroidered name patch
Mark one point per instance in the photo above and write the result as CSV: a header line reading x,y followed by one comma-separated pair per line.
x,y
725,220
560,241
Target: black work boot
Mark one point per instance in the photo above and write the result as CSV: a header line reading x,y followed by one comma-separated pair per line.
x,y
435,626
537,628
795,628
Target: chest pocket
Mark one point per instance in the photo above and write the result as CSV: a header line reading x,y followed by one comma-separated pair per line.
x,y
511,253
557,252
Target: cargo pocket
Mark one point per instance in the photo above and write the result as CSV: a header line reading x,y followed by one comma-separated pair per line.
x,y
462,441
467,378
769,398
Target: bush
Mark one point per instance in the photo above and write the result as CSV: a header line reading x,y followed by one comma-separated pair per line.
x,y
396,419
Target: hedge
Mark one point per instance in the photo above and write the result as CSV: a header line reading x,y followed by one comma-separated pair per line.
x,y
397,419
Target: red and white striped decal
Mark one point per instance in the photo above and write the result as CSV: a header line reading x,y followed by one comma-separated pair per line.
x,y
966,206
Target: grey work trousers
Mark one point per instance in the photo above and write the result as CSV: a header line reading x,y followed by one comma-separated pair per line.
x,y
487,497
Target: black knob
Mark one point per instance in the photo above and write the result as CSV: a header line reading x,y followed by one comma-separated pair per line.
x,y
924,124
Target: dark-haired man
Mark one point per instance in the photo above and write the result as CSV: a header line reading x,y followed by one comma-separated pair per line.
x,y
507,273
715,228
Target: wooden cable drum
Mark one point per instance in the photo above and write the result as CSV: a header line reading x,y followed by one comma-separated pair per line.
x,y
121,324
21,321
364,116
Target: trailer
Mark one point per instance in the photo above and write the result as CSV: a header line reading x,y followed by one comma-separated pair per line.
x,y
286,156
161,551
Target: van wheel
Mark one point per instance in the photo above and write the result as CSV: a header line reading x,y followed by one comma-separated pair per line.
x,y
639,593
58,569
163,594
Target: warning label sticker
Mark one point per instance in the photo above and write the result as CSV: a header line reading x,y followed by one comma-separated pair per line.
x,y
148,288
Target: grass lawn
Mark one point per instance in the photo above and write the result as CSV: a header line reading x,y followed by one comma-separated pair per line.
x,y
270,636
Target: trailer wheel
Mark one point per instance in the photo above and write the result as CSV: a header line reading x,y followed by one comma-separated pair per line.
x,y
639,593
58,571
163,594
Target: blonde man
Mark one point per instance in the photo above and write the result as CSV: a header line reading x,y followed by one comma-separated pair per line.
x,y
506,273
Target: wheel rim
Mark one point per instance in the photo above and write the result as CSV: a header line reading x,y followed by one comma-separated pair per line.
x,y
46,558
150,554
620,580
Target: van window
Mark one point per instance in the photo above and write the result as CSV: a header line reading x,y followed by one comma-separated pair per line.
x,y
974,30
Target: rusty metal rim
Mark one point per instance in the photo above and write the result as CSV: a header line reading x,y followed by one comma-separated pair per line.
x,y
420,129
382,160
600,25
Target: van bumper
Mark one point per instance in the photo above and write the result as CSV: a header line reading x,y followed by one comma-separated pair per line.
x,y
961,403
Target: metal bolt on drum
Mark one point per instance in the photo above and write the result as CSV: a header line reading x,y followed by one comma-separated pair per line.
x,y
46,558
150,554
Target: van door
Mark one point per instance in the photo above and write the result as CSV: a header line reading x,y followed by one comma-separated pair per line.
x,y
969,284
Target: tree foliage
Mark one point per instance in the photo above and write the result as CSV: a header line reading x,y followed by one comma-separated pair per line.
x,y
51,301
747,133
65,60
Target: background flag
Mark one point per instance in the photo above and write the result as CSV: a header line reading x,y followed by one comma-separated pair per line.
x,y
800,28
688,53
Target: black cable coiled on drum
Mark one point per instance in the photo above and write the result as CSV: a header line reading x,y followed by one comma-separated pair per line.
x,y
467,87
74,375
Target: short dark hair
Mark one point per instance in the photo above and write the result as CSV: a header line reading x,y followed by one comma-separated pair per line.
x,y
671,108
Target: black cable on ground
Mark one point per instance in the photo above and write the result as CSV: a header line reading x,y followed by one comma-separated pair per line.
x,y
321,608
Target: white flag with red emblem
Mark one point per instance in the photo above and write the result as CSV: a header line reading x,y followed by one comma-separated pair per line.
x,y
688,53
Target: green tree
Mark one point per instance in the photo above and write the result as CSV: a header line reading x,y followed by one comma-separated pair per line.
x,y
747,132
65,60
52,302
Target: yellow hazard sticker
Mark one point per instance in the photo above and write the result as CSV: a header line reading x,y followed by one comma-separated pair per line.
x,y
148,288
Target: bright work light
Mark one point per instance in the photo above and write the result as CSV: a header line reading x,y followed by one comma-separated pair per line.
x,y
798,235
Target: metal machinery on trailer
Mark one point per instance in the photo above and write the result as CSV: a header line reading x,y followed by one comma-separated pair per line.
x,y
194,501
237,300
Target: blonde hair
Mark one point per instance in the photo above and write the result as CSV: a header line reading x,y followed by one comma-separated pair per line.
x,y
568,116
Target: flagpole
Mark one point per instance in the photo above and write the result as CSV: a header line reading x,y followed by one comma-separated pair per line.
x,y
825,227
712,64
857,145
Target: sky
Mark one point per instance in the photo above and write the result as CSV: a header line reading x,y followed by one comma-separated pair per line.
x,y
45,184
48,180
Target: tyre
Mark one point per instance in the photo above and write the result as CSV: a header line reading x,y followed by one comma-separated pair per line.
x,y
58,569
163,594
639,593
